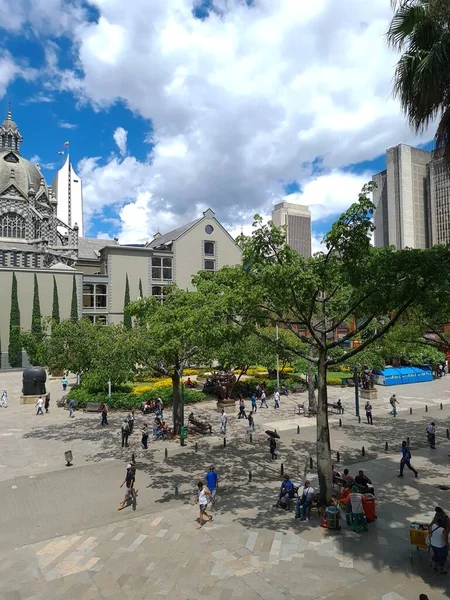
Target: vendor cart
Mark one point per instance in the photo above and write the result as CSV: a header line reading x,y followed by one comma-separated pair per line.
x,y
418,537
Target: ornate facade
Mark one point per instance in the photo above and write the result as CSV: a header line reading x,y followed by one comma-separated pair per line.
x,y
30,231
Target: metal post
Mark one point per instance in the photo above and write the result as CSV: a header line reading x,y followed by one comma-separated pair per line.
x,y
182,399
338,457
282,469
109,389
278,361
356,382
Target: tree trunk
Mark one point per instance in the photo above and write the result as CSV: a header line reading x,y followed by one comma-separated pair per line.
x,y
177,405
324,466
312,403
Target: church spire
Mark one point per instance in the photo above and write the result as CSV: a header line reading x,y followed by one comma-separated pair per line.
x,y
10,138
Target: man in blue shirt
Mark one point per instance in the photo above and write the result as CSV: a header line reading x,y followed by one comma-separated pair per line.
x,y
286,493
406,460
211,481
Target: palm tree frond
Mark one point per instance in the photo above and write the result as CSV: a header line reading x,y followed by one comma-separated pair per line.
x,y
442,137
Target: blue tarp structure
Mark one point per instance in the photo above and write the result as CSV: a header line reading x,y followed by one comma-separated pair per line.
x,y
399,375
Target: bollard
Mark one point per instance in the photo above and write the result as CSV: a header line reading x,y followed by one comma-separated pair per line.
x,y
165,453
363,451
410,411
441,405
196,447
298,428
338,457
408,441
250,476
282,469
311,466
69,458
340,422
426,407
359,419
224,442
386,447
448,433
251,438
176,491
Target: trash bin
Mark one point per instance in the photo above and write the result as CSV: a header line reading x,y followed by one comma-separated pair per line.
x,y
369,507
183,433
333,517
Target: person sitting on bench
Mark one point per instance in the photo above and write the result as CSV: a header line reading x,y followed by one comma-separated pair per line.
x,y
304,503
286,493
364,483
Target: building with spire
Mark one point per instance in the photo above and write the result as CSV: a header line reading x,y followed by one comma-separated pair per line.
x,y
67,187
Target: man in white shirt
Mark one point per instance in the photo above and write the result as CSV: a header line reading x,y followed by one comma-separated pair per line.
x,y
431,435
39,405
304,503
355,499
223,422
276,398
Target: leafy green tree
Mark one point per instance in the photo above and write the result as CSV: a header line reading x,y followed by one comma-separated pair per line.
x,y
55,308
420,31
15,339
173,334
126,315
312,297
74,303
141,293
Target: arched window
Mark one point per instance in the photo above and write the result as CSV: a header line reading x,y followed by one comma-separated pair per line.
x,y
10,140
12,225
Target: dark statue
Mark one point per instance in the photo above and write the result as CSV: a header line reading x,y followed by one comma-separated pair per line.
x,y
33,380
367,379
224,380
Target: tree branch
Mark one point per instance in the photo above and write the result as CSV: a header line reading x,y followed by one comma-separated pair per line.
x,y
352,334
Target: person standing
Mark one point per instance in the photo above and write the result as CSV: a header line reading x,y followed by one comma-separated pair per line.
x,y
393,402
251,424
202,499
242,414
273,447
104,415
223,422
438,537
276,398
253,401
47,403
64,384
4,401
144,439
431,435
368,408
72,408
355,499
263,401
125,433
39,404
129,482
212,480
406,460
131,421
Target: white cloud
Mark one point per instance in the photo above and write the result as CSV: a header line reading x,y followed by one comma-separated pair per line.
x,y
238,102
10,70
66,125
120,137
35,159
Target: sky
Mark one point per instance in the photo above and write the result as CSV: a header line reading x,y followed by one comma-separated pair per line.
x,y
172,107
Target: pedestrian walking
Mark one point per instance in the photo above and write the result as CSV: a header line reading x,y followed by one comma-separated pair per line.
x,y
39,405
130,493
393,402
368,408
131,421
251,424
273,447
212,481
406,460
253,401
72,409
47,403
104,415
144,439
64,384
223,422
431,435
276,398
242,414
4,400
125,433
204,496
263,401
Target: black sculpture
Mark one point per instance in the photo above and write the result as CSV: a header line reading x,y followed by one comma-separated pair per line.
x,y
34,379
367,379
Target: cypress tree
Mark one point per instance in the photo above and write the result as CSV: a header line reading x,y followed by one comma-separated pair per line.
x,y
0,352
15,342
36,317
141,293
55,309
74,305
126,315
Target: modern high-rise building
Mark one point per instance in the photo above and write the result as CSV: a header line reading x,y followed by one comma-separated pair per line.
x,y
438,190
401,199
296,218
67,187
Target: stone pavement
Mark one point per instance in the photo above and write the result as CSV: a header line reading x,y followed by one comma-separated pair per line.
x,y
62,536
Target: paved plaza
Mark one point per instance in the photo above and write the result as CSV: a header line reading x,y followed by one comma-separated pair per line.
x,y
63,538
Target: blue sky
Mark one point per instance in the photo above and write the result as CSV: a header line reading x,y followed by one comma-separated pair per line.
x,y
230,104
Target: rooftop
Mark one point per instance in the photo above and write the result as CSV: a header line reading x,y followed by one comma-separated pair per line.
x,y
89,248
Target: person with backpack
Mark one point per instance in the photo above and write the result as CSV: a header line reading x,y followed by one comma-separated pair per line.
x,y
125,433
406,460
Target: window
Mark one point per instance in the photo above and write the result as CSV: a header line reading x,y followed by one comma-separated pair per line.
x,y
210,265
210,248
209,229
12,225
97,318
94,295
162,269
15,258
159,291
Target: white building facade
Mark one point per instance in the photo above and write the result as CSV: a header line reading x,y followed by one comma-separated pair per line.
x,y
67,187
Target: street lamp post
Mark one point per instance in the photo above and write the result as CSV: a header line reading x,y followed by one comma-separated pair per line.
x,y
356,382
278,361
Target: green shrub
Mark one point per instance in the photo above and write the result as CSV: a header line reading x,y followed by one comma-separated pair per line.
x,y
127,401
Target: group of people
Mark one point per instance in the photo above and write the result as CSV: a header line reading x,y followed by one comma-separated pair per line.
x,y
42,403
154,406
287,495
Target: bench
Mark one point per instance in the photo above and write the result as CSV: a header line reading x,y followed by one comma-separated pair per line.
x,y
199,425
94,407
334,409
61,402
